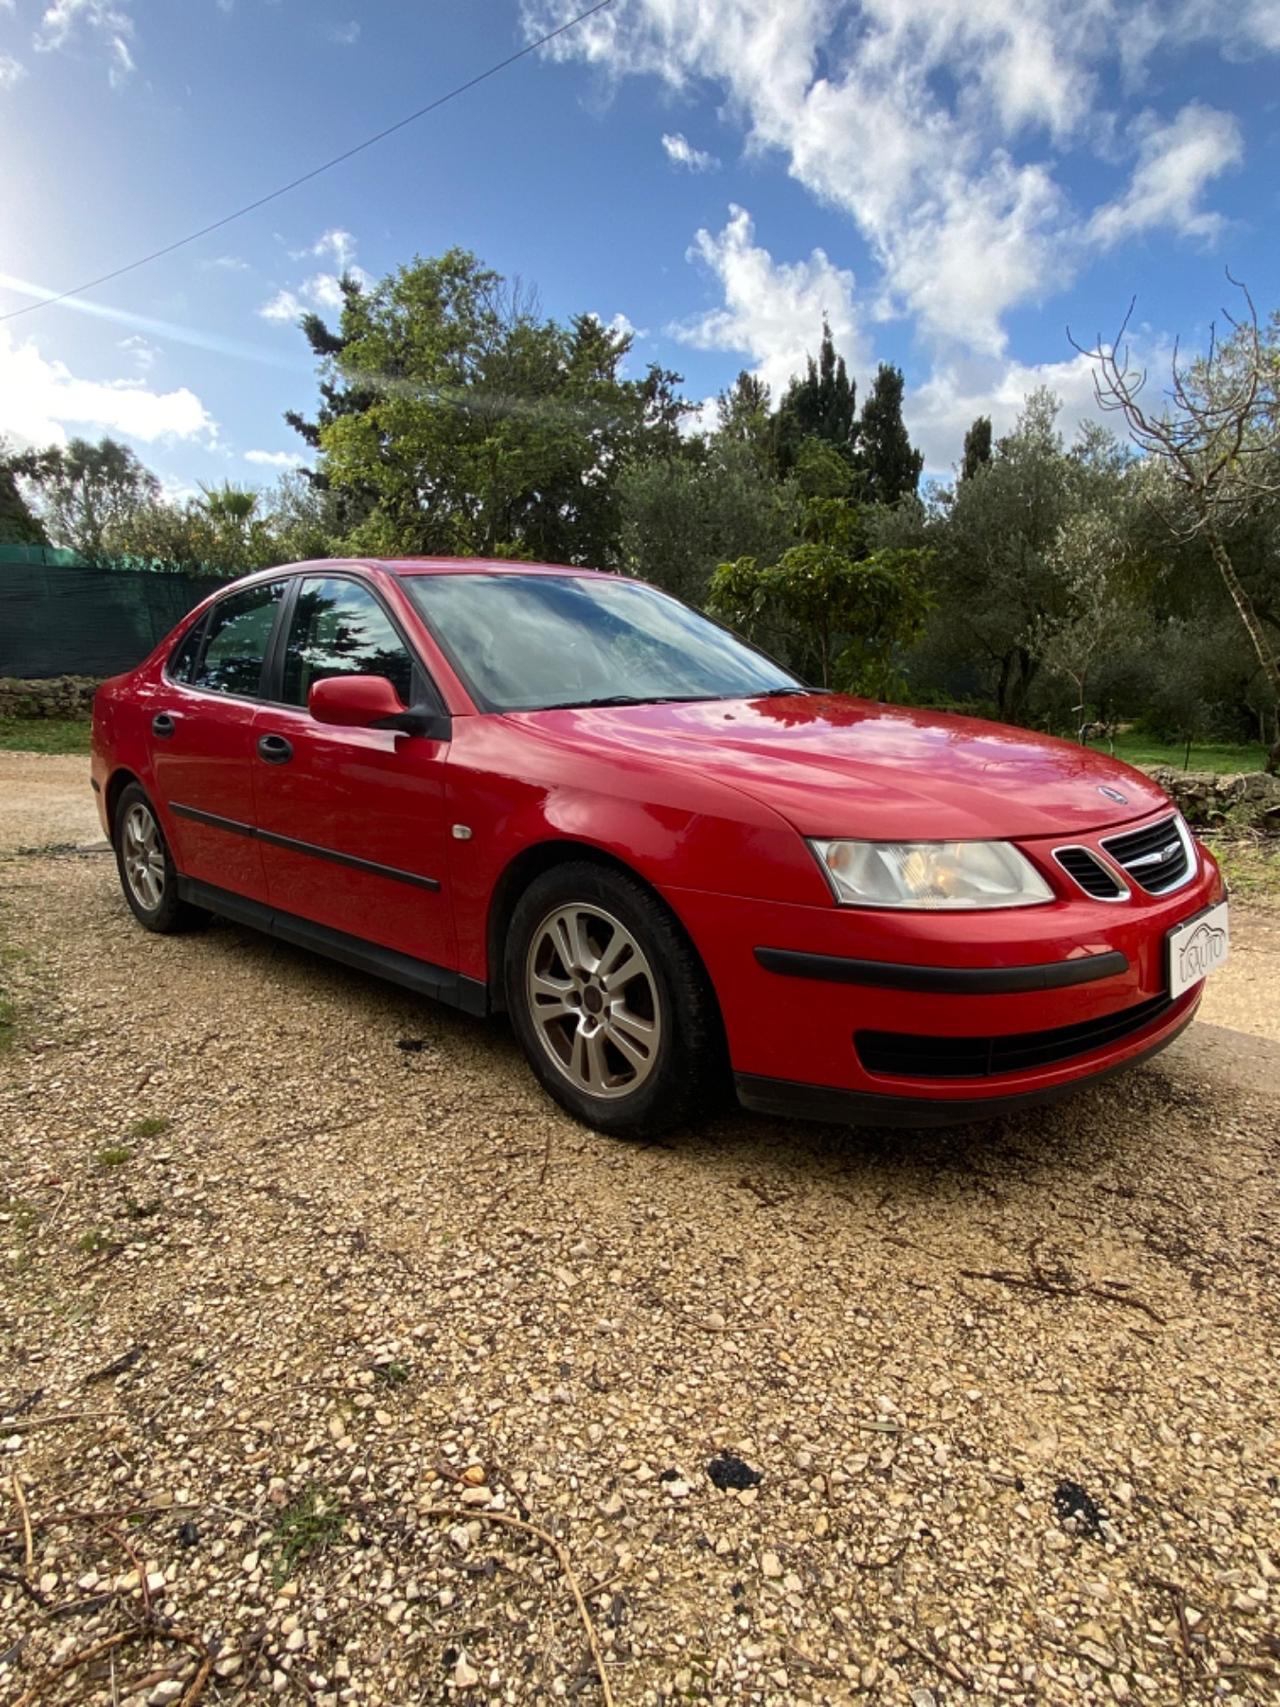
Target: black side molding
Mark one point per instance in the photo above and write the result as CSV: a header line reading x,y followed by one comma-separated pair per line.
x,y
944,980
422,976
236,828
789,1099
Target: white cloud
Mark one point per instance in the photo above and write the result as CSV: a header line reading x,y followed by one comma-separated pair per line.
x,y
936,125
681,152
1175,163
344,35
773,311
340,244
64,20
11,71
143,352
284,307
323,290
226,264
940,412
274,458
40,400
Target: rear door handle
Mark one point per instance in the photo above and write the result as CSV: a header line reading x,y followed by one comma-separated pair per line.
x,y
274,749
163,725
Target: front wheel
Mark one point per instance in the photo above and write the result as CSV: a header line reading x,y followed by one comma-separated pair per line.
x,y
610,1002
148,875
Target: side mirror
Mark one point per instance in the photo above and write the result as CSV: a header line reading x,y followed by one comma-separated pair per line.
x,y
371,702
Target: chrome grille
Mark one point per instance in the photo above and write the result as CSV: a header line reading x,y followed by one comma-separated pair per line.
x,y
1158,857
1087,871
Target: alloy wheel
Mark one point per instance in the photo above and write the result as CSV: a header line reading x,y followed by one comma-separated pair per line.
x,y
143,855
593,1000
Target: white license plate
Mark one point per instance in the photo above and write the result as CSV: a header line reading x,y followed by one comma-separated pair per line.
x,y
1197,948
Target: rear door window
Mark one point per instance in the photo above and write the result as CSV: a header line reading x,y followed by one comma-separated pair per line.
x,y
237,634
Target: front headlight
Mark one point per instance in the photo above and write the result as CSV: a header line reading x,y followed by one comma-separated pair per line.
x,y
930,874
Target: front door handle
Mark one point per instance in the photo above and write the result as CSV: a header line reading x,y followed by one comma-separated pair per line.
x,y
163,725
274,749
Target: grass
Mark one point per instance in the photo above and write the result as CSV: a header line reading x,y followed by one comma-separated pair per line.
x,y
44,734
1220,757
7,1021
1251,866
151,1126
306,1526
114,1156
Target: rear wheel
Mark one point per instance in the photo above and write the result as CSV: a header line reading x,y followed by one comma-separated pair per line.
x,y
609,1001
148,875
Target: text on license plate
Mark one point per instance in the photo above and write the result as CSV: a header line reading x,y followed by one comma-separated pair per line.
x,y
1196,948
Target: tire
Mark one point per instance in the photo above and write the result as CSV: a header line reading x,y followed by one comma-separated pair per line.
x,y
635,1057
148,875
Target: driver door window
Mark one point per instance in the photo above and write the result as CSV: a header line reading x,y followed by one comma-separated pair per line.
x,y
340,629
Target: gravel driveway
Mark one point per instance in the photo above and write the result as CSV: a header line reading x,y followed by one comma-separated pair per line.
x,y
336,1364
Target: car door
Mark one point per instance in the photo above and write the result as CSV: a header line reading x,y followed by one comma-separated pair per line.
x,y
201,718
352,821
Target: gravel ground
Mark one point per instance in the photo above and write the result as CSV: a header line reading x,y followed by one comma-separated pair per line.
x,y
336,1364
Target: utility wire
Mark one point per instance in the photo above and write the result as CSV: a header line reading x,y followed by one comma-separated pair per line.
x,y
306,177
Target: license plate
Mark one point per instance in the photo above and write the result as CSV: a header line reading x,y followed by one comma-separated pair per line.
x,y
1196,948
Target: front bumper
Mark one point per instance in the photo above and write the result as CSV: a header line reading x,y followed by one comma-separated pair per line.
x,y
791,1017
786,1099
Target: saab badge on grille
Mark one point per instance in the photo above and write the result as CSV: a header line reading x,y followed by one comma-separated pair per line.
x,y
1113,794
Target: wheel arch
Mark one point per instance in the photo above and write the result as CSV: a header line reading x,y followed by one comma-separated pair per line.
x,y
118,781
530,863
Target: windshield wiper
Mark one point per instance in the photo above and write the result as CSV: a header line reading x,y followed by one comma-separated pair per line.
x,y
785,693
627,699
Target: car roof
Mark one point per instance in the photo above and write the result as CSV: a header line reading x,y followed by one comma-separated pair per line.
x,y
470,566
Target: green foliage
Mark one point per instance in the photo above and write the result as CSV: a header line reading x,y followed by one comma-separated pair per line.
x,y
86,490
18,526
457,419
977,448
151,1126
849,617
311,1523
889,467
820,404
113,1156
681,515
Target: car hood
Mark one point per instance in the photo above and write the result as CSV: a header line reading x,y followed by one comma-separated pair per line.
x,y
838,766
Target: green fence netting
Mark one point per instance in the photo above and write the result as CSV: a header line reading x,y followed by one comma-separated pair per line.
x,y
70,618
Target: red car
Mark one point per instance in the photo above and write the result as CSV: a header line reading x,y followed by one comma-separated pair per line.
x,y
565,795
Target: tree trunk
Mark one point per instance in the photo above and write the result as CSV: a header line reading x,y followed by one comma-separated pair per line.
x,y
1253,627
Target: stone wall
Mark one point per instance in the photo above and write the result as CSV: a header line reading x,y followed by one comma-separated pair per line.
x,y
58,696
1250,800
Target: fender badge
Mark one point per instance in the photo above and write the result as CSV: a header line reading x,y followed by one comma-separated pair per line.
x,y
1113,794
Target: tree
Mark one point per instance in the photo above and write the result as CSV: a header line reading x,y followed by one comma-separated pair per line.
x,y
996,578
977,447
890,467
459,420
1098,619
846,616
1216,436
681,515
821,404
86,490
18,526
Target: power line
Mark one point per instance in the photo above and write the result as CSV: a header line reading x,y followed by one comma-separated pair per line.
x,y
306,177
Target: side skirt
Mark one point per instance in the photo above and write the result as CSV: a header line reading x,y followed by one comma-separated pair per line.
x,y
421,976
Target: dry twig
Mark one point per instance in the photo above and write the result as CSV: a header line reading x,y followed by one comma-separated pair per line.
x,y
565,1563
27,1541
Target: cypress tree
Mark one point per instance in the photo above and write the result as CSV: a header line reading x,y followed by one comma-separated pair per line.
x,y
889,463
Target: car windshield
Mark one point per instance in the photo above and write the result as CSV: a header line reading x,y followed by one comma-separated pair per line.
x,y
534,642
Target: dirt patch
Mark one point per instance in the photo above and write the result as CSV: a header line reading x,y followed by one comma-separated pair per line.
x,y
333,1370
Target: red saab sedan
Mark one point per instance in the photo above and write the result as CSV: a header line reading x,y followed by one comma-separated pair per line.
x,y
565,795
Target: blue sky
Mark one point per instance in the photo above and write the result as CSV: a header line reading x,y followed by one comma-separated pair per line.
x,y
951,181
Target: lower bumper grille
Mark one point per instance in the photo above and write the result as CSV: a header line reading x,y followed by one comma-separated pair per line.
x,y
908,1055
